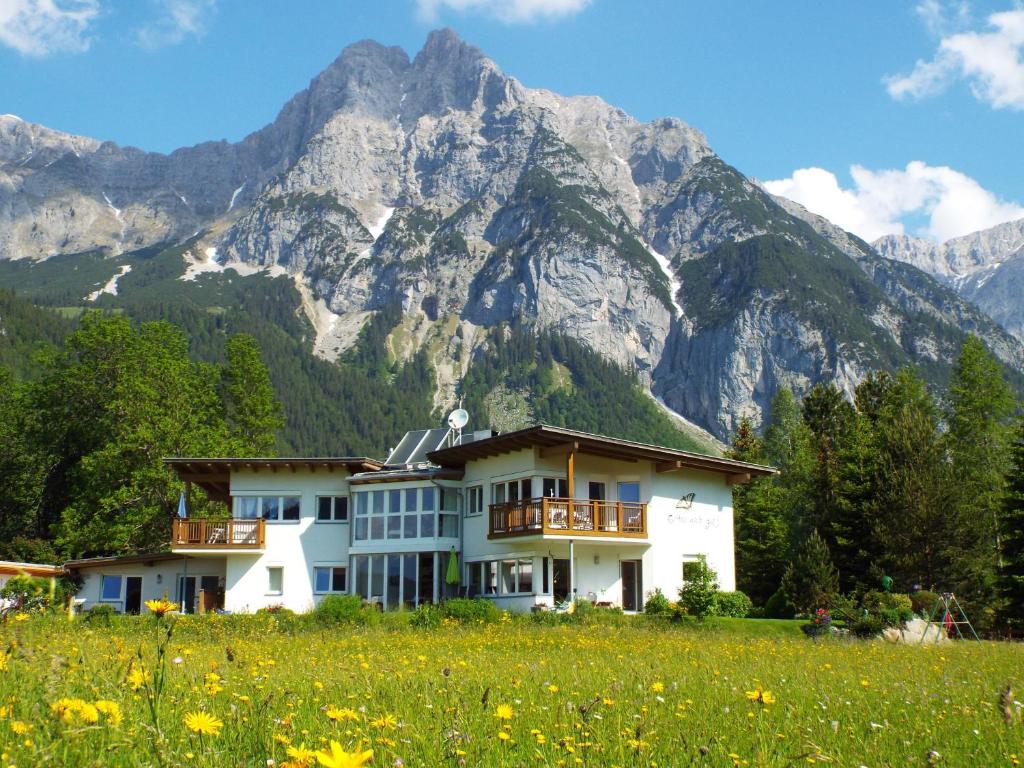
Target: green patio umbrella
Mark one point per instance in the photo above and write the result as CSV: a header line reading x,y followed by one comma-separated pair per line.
x,y
452,577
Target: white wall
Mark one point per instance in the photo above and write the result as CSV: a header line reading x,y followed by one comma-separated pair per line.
x,y
159,579
295,546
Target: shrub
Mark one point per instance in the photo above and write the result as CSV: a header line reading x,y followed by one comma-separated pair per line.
x,y
868,626
779,607
469,610
657,604
819,625
341,609
697,595
874,600
28,592
811,580
922,602
427,616
735,605
99,614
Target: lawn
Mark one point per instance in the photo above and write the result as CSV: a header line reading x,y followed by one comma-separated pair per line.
x,y
630,693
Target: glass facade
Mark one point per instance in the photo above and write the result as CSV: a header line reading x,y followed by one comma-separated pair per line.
x,y
396,579
410,513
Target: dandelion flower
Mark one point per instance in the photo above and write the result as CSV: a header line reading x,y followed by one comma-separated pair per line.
x,y
658,687
300,755
503,712
339,758
203,723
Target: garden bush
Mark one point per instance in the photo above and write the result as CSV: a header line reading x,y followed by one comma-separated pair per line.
x,y
657,604
697,595
735,605
100,614
342,609
427,616
923,601
469,610
868,626
779,607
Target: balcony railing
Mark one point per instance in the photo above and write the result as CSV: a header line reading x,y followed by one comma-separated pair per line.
x,y
198,533
576,517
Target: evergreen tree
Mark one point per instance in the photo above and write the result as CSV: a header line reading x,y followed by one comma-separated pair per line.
x,y
761,535
788,446
830,418
811,580
253,413
1011,577
981,406
921,537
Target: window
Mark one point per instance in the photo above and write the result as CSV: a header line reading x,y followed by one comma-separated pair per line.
x,y
110,588
270,508
501,577
555,487
474,500
498,493
409,513
512,491
275,580
332,509
330,579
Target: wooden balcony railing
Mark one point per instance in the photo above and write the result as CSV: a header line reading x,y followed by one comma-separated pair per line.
x,y
578,517
198,533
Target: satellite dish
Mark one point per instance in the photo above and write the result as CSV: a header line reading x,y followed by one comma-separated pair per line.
x,y
458,418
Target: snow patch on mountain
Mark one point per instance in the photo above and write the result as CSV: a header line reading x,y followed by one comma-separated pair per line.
x,y
111,284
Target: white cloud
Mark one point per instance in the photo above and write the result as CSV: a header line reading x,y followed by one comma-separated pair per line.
x,y
508,11
177,20
989,61
953,203
43,27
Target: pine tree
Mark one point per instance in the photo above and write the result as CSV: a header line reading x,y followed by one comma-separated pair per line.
x,y
830,419
980,431
253,412
920,540
1011,578
811,580
761,535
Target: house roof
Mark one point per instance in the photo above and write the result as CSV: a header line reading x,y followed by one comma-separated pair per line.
x,y
544,436
91,562
213,475
9,567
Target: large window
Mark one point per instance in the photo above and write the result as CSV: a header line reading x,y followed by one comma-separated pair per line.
x,y
110,588
410,513
501,577
332,509
330,578
270,508
398,578
512,490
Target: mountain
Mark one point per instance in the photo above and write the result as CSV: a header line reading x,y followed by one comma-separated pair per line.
x,y
985,267
444,188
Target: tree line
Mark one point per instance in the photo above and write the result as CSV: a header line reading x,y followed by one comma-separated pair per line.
x,y
897,483
82,441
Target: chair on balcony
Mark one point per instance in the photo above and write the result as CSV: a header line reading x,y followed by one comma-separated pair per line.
x,y
216,535
558,516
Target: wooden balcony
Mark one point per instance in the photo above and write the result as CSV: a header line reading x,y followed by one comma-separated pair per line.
x,y
191,533
549,516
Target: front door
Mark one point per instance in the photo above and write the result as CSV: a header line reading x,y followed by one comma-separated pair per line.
x,y
133,594
631,572
560,579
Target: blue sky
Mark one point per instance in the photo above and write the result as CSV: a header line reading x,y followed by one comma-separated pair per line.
x,y
884,116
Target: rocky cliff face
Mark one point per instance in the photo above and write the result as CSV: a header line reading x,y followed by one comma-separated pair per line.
x,y
986,268
444,186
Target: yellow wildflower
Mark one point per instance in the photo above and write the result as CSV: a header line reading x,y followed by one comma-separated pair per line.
x,y
301,756
658,687
111,710
203,723
340,713
385,721
339,758
160,607
503,712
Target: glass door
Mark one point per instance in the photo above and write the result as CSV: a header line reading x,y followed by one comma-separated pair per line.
x,y
133,594
632,584
560,579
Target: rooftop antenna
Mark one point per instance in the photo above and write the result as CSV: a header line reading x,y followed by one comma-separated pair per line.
x,y
457,419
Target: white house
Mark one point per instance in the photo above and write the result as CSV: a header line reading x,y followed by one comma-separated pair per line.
x,y
533,517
